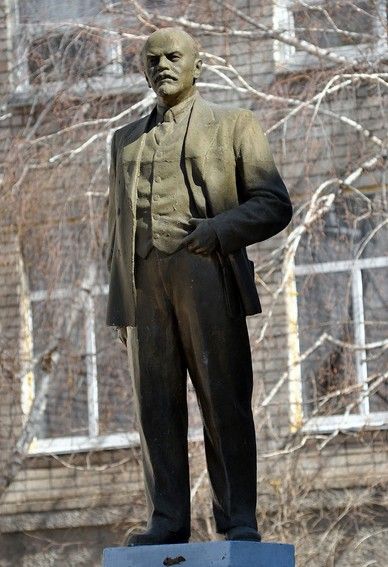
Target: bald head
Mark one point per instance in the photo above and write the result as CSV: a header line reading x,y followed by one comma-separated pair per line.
x,y
171,64
169,33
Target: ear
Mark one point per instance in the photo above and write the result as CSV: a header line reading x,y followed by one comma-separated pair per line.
x,y
197,68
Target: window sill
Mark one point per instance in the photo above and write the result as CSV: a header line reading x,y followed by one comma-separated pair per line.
x,y
25,95
329,424
79,444
299,61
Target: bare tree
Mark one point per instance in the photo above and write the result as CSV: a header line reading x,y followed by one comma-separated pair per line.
x,y
313,72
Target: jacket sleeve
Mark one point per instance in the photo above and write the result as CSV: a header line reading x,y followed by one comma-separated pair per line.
x,y
265,207
112,202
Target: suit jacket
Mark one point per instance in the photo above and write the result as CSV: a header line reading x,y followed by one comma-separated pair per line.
x,y
230,172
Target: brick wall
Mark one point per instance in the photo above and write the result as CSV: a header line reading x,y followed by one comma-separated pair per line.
x,y
96,497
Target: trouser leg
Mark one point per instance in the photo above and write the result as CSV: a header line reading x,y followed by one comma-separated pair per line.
x,y
160,394
217,351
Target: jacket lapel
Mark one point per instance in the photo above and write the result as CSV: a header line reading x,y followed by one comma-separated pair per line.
x,y
129,155
131,140
201,132
201,129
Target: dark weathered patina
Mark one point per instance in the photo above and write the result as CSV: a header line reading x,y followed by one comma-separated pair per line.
x,y
191,185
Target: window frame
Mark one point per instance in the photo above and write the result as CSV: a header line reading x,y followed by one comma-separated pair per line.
x,y
287,59
21,85
74,443
331,423
93,440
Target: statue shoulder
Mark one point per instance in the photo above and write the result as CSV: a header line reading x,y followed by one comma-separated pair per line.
x,y
231,114
127,129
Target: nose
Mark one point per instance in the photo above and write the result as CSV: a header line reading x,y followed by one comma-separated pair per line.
x,y
163,63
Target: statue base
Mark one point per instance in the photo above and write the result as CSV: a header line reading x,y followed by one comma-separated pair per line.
x,y
209,554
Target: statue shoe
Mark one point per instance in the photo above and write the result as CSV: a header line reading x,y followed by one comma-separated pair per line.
x,y
242,533
158,537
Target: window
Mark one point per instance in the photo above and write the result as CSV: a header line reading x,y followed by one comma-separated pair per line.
x,y
341,277
32,11
89,398
58,43
63,56
351,28
89,402
155,4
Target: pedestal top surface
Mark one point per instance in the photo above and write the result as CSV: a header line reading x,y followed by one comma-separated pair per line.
x,y
209,554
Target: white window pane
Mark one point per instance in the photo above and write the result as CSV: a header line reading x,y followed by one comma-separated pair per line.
x,y
69,55
315,27
376,329
66,411
347,231
155,4
335,298
57,11
116,408
329,373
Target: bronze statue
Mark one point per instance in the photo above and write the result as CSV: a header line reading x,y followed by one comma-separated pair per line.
x,y
191,185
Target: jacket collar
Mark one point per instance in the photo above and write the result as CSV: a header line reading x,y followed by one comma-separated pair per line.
x,y
176,112
201,128
201,120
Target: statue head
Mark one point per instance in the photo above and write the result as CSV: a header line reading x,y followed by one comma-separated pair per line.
x,y
171,64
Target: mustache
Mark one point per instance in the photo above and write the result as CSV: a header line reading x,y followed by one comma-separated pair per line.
x,y
162,76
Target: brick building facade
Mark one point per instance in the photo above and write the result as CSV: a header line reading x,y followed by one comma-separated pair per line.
x,y
68,79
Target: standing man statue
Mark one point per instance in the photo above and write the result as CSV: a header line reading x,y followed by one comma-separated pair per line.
x,y
191,185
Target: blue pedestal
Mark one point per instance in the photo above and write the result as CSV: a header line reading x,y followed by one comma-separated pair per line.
x,y
212,554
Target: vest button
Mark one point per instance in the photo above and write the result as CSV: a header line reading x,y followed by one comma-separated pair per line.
x,y
158,179
155,197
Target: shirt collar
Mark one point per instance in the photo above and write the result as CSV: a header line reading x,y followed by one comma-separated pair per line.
x,y
175,112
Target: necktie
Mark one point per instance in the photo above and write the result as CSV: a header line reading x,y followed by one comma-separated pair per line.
x,y
164,128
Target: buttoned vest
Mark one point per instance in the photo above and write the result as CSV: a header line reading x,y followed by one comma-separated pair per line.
x,y
164,204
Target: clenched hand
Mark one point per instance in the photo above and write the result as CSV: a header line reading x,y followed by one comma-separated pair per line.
x,y
203,239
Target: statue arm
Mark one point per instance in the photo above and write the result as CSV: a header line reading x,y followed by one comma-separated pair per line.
x,y
112,202
265,207
121,331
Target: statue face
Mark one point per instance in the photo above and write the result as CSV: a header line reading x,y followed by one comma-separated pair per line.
x,y
170,66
